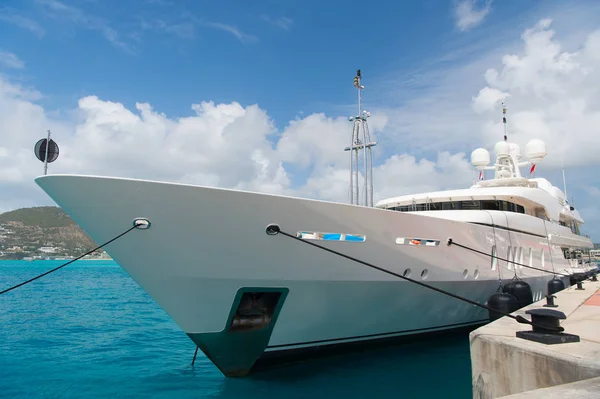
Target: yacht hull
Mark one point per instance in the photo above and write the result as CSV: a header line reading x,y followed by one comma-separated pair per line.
x,y
245,297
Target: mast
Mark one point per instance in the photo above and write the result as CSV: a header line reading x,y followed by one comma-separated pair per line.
x,y
361,143
504,109
562,166
46,157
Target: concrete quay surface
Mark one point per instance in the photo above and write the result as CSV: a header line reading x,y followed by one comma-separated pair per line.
x,y
503,364
585,389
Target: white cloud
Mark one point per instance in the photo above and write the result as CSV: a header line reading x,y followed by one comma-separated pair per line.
x,y
488,99
11,60
74,15
284,23
553,96
224,145
183,30
423,146
234,30
469,14
315,140
7,15
404,174
398,175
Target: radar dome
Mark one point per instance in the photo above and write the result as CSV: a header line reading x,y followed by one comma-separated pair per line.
x,y
515,150
535,150
480,158
502,148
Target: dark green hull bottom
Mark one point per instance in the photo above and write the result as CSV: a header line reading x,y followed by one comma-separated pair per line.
x,y
238,354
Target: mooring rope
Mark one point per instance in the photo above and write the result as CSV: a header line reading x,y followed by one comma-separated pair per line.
x,y
274,229
136,224
195,354
451,242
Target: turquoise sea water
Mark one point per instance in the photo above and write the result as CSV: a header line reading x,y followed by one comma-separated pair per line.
x,y
89,331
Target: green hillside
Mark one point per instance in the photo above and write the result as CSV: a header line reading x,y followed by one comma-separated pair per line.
x,y
41,232
43,216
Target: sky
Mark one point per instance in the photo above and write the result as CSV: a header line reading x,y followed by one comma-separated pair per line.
x,y
257,95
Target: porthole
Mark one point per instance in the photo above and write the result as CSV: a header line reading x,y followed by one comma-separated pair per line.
x,y
424,274
406,273
465,274
476,274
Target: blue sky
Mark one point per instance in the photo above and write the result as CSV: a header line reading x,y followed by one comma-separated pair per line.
x,y
70,64
288,56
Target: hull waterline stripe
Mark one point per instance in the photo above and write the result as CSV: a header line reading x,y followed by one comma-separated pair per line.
x,y
358,337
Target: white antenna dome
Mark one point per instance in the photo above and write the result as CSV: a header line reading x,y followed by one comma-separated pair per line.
x,y
502,148
515,150
480,158
535,150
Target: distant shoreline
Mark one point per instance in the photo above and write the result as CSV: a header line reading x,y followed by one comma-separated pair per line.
x,y
37,261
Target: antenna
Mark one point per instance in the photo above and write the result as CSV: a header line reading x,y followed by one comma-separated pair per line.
x,y
46,154
562,166
360,143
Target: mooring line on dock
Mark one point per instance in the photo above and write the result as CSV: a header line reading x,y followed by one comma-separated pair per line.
x,y
136,224
274,229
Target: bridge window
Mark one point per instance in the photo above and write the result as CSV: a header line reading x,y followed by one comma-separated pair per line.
x,y
470,205
452,205
491,205
575,227
435,206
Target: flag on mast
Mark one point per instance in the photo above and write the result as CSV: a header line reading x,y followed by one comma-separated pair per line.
x,y
532,169
481,175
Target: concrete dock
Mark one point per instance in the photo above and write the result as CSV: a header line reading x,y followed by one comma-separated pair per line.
x,y
503,364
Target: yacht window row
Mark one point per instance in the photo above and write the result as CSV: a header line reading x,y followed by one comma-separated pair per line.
x,y
572,225
492,205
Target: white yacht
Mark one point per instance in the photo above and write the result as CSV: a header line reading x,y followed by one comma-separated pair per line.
x,y
249,299
246,297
